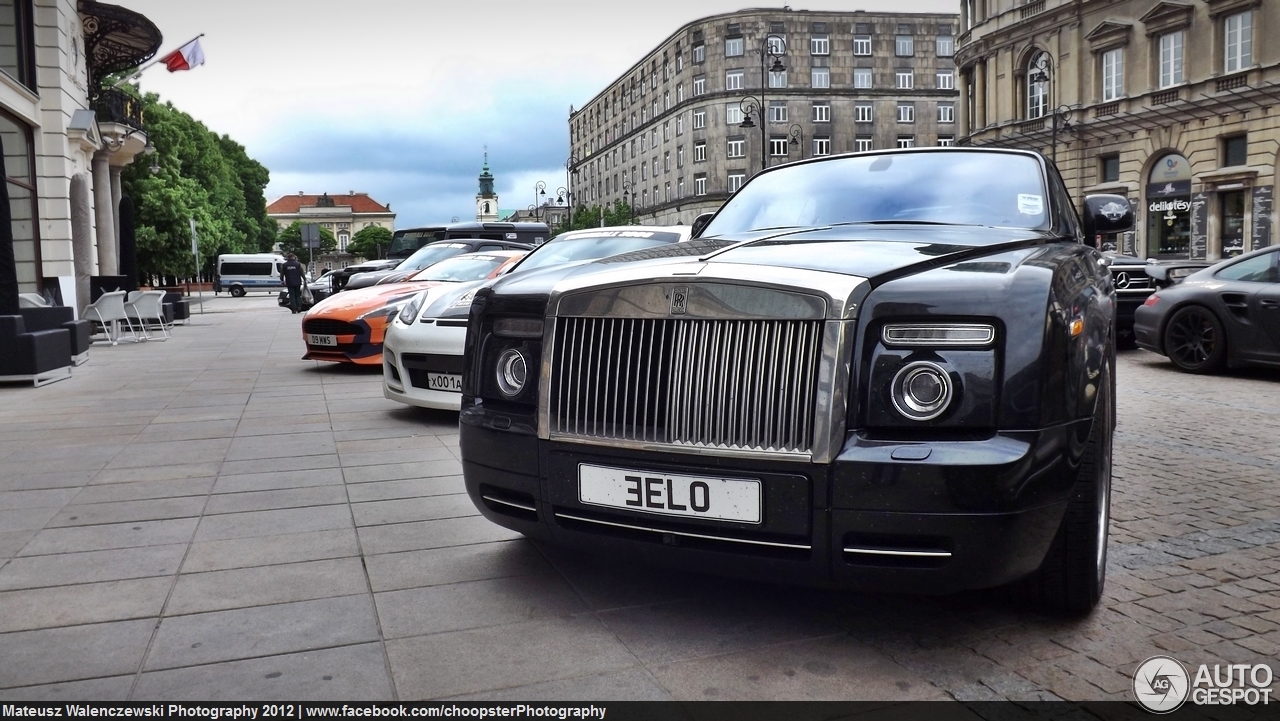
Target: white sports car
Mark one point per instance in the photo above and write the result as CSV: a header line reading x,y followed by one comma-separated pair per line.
x,y
422,349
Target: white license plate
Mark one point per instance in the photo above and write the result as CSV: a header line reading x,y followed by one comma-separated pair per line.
x,y
722,499
317,339
444,382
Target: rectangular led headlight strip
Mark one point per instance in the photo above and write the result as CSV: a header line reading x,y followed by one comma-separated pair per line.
x,y
518,327
939,334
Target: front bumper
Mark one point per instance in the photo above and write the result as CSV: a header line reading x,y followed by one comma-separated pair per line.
x,y
363,347
408,352
972,514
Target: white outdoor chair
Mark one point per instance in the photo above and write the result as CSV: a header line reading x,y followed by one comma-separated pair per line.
x,y
32,300
107,311
148,308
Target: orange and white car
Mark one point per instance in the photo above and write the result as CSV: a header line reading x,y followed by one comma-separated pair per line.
x,y
348,327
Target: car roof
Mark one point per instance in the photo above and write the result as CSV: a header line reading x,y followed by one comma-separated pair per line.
x,y
683,230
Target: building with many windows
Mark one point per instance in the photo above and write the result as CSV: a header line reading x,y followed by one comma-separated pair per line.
x,y
728,94
1169,102
343,215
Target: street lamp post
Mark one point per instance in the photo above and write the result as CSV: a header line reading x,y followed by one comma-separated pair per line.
x,y
568,183
629,198
539,195
797,138
562,197
751,104
1060,116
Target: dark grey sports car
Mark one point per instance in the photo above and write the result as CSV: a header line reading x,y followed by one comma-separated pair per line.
x,y
1226,315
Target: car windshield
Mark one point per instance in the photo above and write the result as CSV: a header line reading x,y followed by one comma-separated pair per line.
x,y
407,241
951,187
429,255
474,266
590,246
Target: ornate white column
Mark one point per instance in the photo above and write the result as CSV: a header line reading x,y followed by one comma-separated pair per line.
x,y
81,237
104,215
116,192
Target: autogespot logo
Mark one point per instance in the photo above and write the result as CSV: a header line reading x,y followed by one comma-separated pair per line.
x,y
1161,684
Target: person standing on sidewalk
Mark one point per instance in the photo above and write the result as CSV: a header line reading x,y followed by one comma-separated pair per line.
x,y
292,274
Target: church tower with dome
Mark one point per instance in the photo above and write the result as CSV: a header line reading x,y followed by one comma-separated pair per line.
x,y
486,199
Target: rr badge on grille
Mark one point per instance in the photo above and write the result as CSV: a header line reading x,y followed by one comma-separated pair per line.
x,y
679,299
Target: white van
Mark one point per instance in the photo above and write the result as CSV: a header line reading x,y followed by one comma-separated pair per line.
x,y
241,273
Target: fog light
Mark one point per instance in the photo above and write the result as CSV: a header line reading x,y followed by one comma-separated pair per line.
x,y
922,391
511,372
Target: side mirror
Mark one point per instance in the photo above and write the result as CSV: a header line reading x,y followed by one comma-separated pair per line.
x,y
700,224
1106,214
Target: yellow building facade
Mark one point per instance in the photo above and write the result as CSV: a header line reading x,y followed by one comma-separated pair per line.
x,y
1174,104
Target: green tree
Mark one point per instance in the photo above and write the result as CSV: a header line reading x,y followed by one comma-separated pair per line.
x,y
589,216
199,176
369,240
290,240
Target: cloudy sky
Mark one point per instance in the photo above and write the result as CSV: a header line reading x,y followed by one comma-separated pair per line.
x,y
398,98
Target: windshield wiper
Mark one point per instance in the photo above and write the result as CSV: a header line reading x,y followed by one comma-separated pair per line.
x,y
904,222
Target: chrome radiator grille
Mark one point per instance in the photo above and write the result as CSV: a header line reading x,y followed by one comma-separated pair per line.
x,y
740,384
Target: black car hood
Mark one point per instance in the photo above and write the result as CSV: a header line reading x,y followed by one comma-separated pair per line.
x,y
877,252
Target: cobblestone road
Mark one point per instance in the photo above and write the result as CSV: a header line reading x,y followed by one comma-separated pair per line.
x,y
210,517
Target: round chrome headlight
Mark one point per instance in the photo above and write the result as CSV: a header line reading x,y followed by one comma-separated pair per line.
x,y
511,372
921,391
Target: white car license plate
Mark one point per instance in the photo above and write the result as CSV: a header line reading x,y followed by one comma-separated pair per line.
x,y
317,339
722,499
444,382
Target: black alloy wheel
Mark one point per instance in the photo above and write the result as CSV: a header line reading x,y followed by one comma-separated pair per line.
x,y
1194,340
237,291
1071,577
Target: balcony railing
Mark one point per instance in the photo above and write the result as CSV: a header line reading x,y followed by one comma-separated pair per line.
x,y
117,106
1032,8
1233,82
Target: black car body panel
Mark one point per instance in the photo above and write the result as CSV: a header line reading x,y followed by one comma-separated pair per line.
x,y
971,499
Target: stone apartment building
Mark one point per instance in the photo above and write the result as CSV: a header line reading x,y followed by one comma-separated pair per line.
x,y
1172,103
668,135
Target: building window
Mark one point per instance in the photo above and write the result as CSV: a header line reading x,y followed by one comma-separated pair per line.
x,y
862,143
904,46
666,191
862,78
946,80
1112,75
733,80
905,79
1235,150
1110,168
736,180
906,113
820,77
680,157
946,46
737,148
699,85
679,125
821,146
645,201
666,162
699,53
819,45
733,115
1037,86
1238,30
777,43
906,141
666,131
655,168
777,111
862,113
946,114
778,147
821,113
699,119
680,188
861,44
19,165
946,141
16,58
680,93
1171,58
699,152
732,47
699,185
778,80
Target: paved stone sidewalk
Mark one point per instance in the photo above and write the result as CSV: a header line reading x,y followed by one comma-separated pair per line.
x,y
212,518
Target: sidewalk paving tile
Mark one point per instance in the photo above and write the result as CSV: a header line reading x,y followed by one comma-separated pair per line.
x,y
55,655
263,585
269,550
347,673
116,535
475,604
435,566
64,569
262,631
33,608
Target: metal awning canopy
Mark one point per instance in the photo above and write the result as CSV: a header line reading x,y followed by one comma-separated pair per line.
x,y
115,39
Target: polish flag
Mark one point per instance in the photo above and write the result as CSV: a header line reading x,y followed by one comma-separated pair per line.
x,y
184,58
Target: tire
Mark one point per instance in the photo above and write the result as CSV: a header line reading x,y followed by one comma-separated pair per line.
x,y
1071,577
237,291
1194,340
